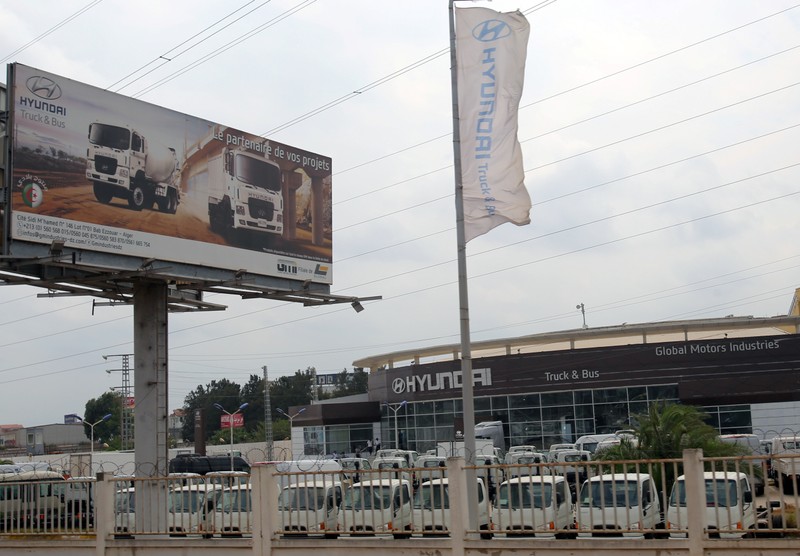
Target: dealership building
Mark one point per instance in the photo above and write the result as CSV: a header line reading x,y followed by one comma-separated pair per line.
x,y
556,386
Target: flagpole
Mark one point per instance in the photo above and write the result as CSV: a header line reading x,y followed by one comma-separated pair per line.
x,y
468,402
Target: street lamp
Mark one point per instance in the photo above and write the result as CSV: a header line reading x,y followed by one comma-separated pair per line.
x,y
291,419
395,408
230,423
91,438
582,309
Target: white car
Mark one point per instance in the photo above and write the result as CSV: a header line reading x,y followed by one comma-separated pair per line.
x,y
534,505
623,504
729,508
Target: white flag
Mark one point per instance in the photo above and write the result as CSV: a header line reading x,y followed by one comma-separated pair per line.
x,y
490,57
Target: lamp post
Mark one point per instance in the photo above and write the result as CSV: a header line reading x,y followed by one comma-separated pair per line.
x,y
582,309
395,408
91,437
230,423
291,420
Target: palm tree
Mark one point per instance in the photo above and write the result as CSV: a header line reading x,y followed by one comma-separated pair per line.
x,y
664,432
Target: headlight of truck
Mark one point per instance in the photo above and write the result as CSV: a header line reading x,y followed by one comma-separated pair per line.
x,y
123,172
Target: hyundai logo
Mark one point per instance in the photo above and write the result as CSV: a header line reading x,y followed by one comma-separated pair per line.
x,y
491,30
398,385
43,87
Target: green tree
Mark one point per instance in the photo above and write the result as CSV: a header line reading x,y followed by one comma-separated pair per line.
x,y
664,432
288,391
222,392
108,431
349,384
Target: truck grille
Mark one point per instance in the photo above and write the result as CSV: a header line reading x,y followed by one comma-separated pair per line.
x,y
261,209
105,165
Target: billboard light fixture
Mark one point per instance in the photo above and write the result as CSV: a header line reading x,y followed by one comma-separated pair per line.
x,y
357,306
57,247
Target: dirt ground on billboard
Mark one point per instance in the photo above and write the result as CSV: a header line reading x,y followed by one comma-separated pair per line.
x,y
73,198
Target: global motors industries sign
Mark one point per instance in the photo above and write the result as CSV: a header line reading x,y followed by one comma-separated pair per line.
x,y
746,365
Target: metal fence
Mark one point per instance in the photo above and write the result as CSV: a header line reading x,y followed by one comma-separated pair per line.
x,y
736,497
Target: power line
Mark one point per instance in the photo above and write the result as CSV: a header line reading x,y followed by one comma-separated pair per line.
x,y
52,29
166,57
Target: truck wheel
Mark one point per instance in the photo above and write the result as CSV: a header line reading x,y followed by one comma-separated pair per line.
x,y
138,197
103,193
172,202
789,484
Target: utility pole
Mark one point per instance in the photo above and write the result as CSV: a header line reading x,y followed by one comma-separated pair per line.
x,y
267,416
126,415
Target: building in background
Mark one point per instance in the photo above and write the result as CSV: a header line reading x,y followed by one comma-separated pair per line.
x,y
556,386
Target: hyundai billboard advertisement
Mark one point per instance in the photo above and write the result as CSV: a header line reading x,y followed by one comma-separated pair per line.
x,y
103,172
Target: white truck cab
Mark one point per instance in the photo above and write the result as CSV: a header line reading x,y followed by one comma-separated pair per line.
x,y
730,511
539,506
619,504
431,512
377,506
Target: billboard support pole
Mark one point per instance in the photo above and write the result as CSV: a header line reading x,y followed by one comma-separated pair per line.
x,y
150,387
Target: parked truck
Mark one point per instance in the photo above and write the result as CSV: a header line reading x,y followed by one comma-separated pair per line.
x,y
785,462
244,192
122,162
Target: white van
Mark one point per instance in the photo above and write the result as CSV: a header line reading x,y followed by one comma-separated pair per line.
x,y
619,504
377,506
292,471
730,510
232,513
311,507
189,508
754,468
590,442
541,506
527,463
32,500
431,511
519,448
573,466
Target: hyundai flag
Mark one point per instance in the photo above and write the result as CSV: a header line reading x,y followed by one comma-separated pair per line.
x,y
490,53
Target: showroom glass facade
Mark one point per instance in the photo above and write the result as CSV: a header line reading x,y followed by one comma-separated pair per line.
x,y
541,419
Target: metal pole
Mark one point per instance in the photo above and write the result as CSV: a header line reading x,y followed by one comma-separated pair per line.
x,y
230,426
461,246
267,416
396,433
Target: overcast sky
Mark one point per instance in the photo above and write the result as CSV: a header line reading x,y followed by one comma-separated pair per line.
x,y
659,142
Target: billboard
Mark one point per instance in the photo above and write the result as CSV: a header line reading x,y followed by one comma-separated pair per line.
x,y
235,421
106,173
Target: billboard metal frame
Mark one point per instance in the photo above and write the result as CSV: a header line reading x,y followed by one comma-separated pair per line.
x,y
73,270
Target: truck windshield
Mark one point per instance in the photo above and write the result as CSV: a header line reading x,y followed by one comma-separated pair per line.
x,y
603,494
301,498
525,495
257,172
719,492
110,136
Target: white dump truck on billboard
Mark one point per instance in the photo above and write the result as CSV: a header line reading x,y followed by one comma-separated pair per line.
x,y
122,162
244,192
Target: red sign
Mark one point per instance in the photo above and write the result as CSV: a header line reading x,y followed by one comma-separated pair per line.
x,y
225,421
